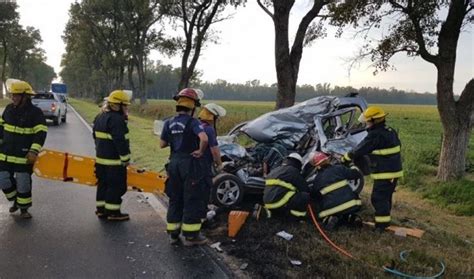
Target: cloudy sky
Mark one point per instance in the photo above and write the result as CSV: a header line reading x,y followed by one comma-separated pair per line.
x,y
245,51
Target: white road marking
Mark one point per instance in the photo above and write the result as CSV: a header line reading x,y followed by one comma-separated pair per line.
x,y
157,204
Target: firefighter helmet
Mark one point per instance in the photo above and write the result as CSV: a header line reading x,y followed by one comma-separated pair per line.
x,y
190,93
296,157
15,86
119,97
372,113
318,158
211,111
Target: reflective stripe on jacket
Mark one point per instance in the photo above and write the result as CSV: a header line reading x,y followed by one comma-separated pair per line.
x,y
332,191
110,132
22,130
383,147
281,184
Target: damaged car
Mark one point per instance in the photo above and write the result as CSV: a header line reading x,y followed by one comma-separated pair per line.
x,y
251,149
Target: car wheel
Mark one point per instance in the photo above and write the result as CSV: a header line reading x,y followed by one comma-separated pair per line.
x,y
64,118
227,190
357,184
56,120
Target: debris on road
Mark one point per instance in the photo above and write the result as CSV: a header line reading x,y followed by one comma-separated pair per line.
x,y
244,266
285,235
296,262
217,246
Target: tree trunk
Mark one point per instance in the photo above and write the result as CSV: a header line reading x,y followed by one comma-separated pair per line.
x,y
141,80
4,68
452,160
184,79
286,82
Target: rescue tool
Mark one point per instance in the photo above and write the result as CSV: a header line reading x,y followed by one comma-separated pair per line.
x,y
79,169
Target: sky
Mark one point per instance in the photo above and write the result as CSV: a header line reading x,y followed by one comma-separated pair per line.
x,y
245,51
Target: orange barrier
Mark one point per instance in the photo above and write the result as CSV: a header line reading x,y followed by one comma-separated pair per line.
x,y
79,169
236,221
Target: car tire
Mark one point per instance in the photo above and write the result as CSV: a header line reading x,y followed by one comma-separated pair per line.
x,y
56,121
227,190
64,119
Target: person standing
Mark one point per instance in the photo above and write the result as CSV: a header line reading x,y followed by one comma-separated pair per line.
x,y
186,183
212,156
286,191
110,133
383,146
22,134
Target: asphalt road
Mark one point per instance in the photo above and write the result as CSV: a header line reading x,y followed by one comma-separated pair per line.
x,y
65,239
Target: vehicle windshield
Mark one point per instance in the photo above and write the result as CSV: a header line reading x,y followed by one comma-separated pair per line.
x,y
43,97
336,126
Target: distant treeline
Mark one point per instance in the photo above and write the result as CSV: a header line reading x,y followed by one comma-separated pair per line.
x,y
163,80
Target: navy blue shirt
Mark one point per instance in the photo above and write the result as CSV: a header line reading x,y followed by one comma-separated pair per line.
x,y
175,126
211,135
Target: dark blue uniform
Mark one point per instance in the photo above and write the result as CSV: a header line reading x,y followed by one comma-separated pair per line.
x,y
186,182
286,191
110,133
332,192
22,130
382,145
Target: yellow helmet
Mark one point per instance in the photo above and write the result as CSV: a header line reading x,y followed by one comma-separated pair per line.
x,y
19,87
119,97
372,113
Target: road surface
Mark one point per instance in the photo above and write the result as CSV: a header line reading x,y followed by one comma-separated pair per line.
x,y
65,239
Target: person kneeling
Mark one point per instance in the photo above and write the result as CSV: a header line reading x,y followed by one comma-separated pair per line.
x,y
286,191
336,200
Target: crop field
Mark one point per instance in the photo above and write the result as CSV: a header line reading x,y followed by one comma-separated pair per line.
x,y
444,210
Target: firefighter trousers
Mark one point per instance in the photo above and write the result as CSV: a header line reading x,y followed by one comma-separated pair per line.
x,y
381,199
111,186
296,206
17,187
186,188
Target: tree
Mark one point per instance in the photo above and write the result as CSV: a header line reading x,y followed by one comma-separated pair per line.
x,y
139,16
8,22
194,18
287,61
420,29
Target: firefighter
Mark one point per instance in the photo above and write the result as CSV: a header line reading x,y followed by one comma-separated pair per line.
x,y
22,134
212,156
286,191
186,183
110,133
382,145
335,199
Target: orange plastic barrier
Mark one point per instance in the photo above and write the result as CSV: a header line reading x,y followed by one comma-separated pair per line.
x,y
236,221
79,169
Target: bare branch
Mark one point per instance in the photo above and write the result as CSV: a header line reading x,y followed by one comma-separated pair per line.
x,y
423,51
264,9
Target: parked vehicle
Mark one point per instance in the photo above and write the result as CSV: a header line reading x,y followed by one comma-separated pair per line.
x,y
52,106
326,123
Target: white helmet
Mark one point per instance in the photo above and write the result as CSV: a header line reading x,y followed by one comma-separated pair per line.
x,y
296,156
216,109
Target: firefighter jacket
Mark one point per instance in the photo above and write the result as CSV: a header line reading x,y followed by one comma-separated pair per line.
x,y
382,145
110,132
331,188
22,130
281,185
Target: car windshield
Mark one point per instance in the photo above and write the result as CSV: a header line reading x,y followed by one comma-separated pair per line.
x,y
44,96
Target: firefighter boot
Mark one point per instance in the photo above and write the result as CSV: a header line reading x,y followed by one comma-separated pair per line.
x,y
192,241
100,212
13,208
25,214
118,217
